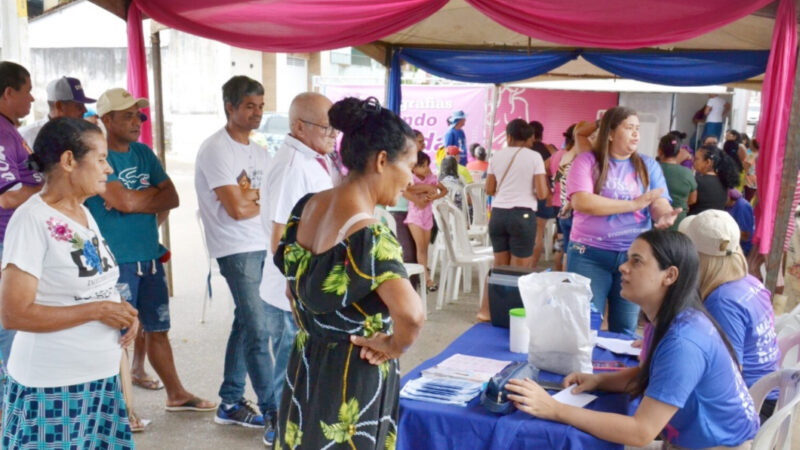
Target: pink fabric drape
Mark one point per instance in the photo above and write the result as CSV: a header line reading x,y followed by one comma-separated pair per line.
x,y
290,25
622,24
137,68
776,104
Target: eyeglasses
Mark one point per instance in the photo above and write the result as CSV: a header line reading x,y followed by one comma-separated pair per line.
x,y
326,130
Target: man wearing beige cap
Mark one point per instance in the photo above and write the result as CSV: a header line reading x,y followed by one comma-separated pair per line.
x,y
138,196
65,98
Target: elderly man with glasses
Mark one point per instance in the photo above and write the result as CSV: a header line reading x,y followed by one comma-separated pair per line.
x,y
304,164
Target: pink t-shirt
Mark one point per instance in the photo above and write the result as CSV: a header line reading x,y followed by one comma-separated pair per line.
x,y
617,231
517,188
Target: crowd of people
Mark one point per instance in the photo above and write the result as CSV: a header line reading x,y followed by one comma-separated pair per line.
x,y
323,304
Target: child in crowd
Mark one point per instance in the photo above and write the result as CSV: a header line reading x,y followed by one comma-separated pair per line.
x,y
479,164
750,169
420,214
448,176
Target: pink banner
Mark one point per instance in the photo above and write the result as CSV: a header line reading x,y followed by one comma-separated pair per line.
x,y
426,108
555,109
137,69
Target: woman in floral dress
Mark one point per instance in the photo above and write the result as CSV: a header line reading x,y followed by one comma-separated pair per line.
x,y
355,308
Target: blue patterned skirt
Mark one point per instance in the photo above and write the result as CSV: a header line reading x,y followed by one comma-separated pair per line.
x,y
81,416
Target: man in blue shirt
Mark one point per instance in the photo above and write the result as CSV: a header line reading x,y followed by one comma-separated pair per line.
x,y
138,197
742,212
455,135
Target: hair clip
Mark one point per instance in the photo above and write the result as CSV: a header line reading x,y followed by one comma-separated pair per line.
x,y
33,164
371,105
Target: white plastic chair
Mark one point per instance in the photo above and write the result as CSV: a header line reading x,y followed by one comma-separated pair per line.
x,y
776,432
411,268
479,223
213,268
460,253
789,344
549,234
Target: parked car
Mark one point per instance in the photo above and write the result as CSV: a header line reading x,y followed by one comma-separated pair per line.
x,y
273,129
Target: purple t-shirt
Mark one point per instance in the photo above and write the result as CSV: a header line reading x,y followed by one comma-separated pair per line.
x,y
13,170
743,310
617,231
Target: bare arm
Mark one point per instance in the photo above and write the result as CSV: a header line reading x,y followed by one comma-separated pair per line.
x,y
405,308
542,189
491,184
597,205
12,199
165,199
581,133
692,198
662,213
19,312
239,204
127,200
275,238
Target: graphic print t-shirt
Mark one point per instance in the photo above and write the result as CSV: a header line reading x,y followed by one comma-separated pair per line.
x,y
617,231
73,265
133,237
221,161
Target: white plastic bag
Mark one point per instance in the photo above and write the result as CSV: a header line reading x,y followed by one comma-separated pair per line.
x,y
557,311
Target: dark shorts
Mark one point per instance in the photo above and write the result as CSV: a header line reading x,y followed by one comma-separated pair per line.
x,y
513,230
147,292
546,212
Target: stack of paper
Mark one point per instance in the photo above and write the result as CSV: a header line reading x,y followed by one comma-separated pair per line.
x,y
465,367
618,346
441,390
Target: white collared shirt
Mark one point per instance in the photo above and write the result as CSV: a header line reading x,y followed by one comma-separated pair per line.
x,y
295,171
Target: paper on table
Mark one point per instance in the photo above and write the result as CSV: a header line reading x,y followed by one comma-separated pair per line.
x,y
618,346
568,398
467,367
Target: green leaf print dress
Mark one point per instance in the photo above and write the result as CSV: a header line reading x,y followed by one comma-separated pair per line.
x,y
332,398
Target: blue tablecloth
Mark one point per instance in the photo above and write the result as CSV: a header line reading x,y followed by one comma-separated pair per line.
x,y
426,425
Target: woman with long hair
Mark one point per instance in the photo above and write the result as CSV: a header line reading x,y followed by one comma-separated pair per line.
x,y
691,389
616,194
715,173
739,303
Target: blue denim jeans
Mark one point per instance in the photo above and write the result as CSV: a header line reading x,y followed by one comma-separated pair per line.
x,y
712,129
602,268
248,351
566,227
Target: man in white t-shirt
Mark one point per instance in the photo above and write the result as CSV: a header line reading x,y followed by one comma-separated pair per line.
x,y
229,172
65,98
301,166
715,110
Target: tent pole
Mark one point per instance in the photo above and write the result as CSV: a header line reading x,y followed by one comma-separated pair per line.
x,y
160,141
388,76
493,117
791,161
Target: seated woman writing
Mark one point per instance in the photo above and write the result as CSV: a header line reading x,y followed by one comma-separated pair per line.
x,y
689,380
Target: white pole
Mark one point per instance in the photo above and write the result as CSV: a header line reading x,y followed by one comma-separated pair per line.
x,y
493,116
14,28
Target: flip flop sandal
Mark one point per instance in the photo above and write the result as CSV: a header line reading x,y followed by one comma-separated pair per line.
x,y
433,288
151,384
193,404
137,425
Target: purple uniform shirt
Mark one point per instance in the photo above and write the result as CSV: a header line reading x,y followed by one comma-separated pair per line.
x,y
13,170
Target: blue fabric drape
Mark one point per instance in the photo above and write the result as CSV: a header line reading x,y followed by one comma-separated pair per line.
x,y
680,68
695,68
394,94
486,66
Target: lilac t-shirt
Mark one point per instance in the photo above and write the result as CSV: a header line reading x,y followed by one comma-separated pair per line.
x,y
617,231
744,312
13,170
